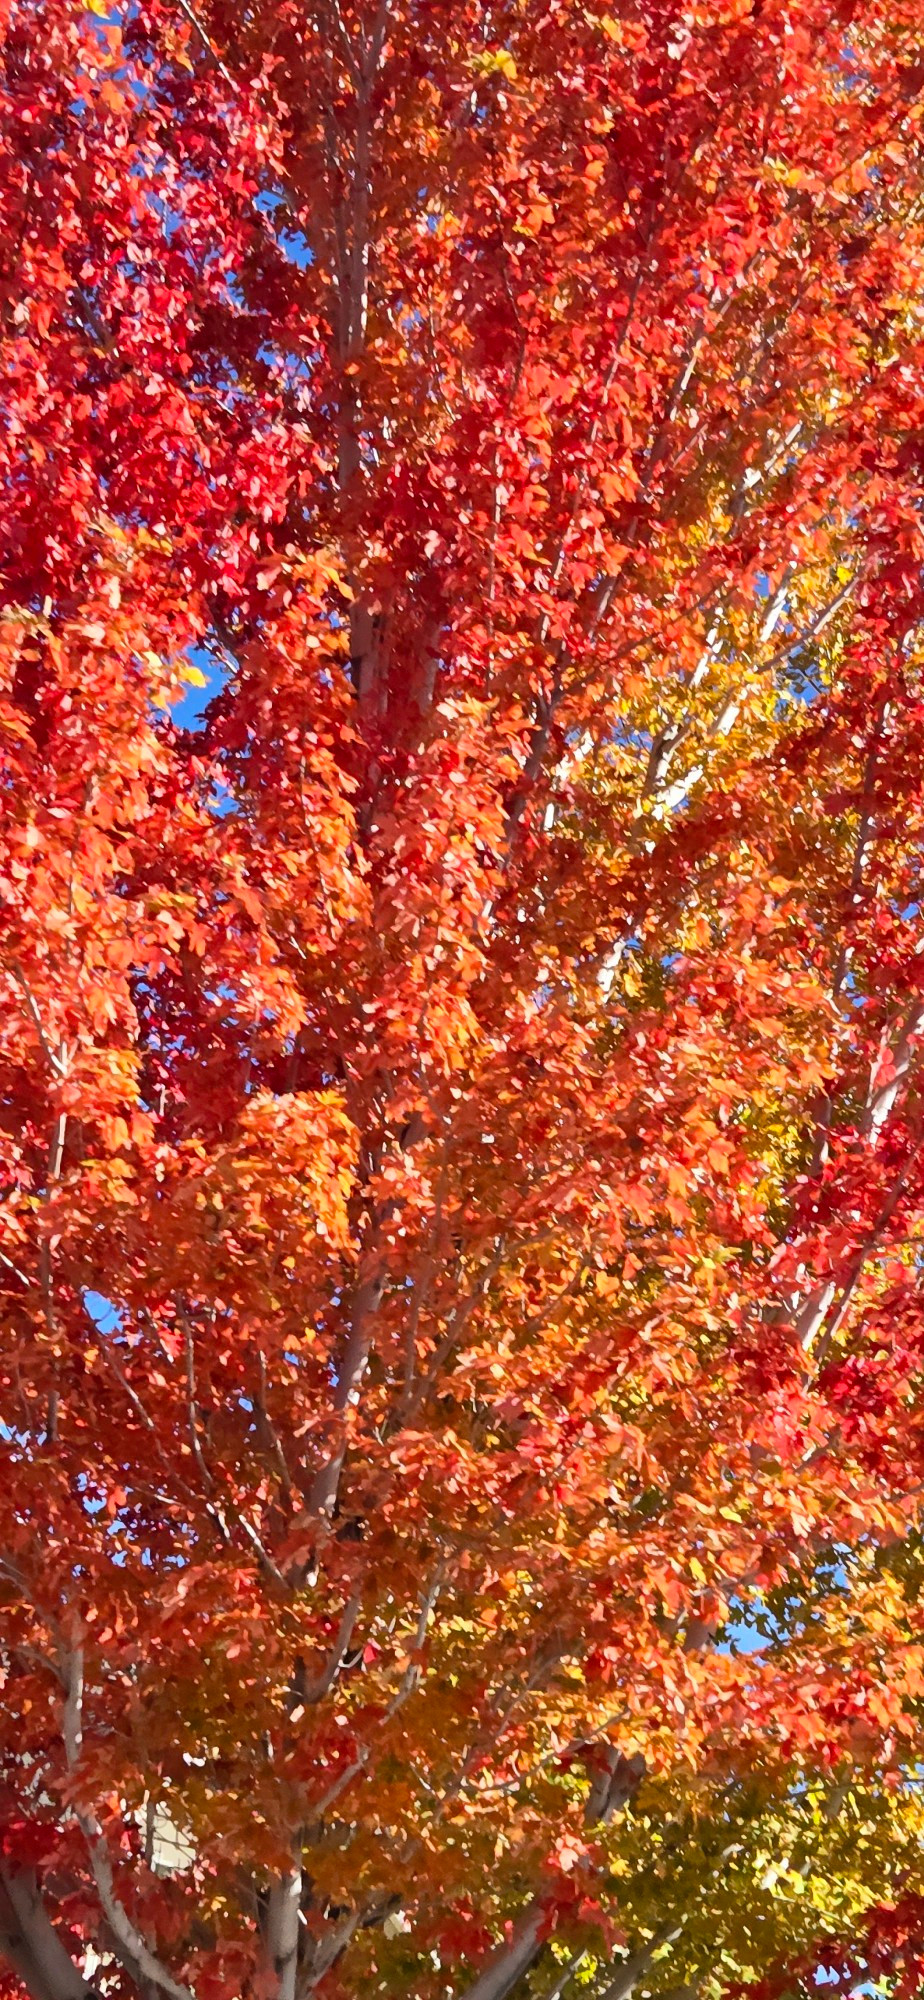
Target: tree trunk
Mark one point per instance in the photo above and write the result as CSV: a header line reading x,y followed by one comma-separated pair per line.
x,y
32,1946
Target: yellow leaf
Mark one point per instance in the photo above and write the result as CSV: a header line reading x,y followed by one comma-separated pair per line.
x,y
492,60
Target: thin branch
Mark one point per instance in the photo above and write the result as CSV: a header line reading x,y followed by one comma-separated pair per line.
x,y
206,39
338,1651
270,1568
322,1499
57,1061
262,1409
191,1404
866,1248
17,1273
566,1974
812,629
456,1324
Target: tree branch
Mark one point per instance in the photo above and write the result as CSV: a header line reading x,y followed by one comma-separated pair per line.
x,y
134,1950
512,1960
30,1943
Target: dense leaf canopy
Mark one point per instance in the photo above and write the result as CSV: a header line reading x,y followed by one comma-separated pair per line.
x,y
462,978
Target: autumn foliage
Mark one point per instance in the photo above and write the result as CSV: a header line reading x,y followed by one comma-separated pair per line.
x,y
462,978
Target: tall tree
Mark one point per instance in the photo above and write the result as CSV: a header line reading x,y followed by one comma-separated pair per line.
x,y
461,1116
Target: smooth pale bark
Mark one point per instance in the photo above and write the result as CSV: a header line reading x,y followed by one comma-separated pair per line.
x,y
891,1074
132,1947
623,1986
323,1497
508,1965
31,1944
282,1921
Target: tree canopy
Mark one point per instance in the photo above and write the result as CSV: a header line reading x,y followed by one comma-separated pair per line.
x,y
462,967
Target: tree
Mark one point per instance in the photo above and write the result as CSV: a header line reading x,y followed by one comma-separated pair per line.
x,y
461,1134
